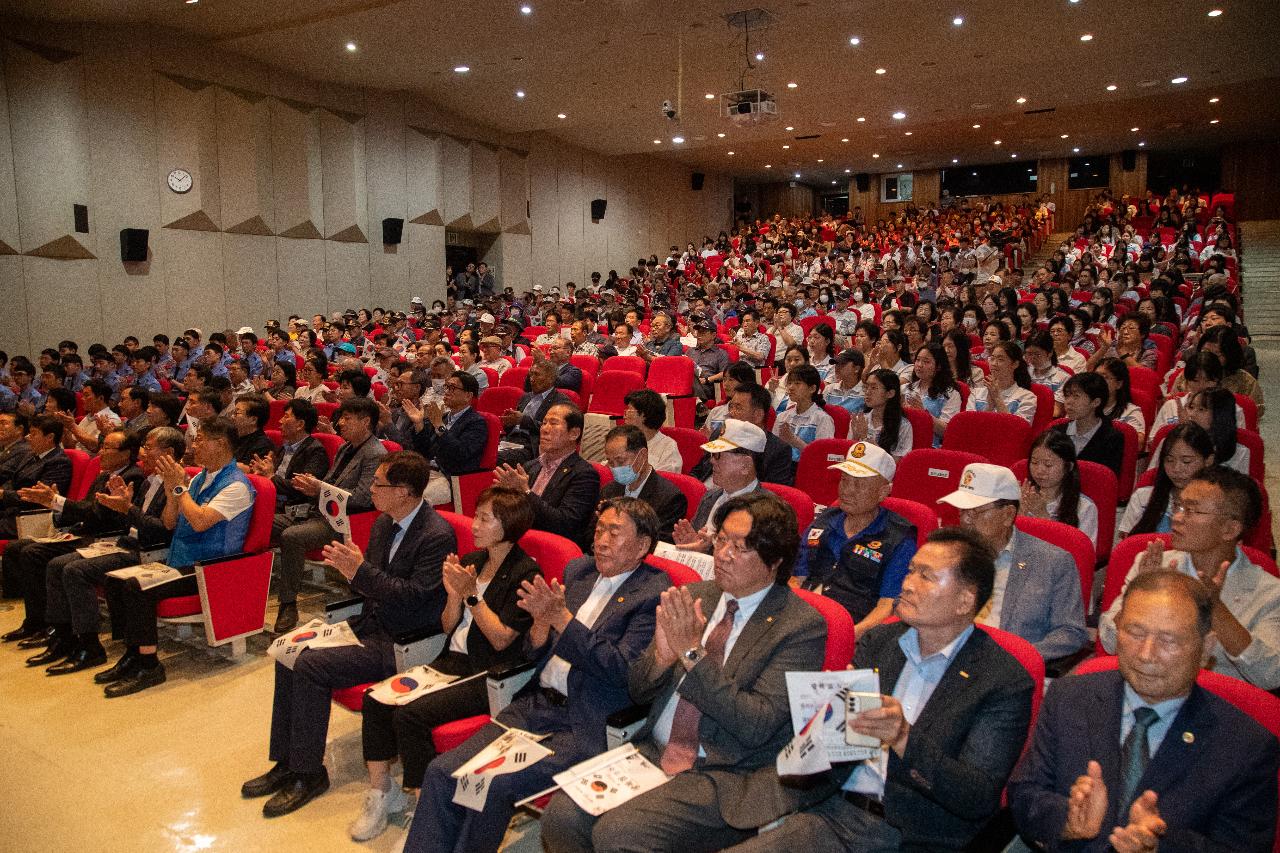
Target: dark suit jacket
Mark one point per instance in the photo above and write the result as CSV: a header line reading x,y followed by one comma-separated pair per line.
x,y
526,431
92,517
1106,447
960,752
254,444
569,376
53,469
459,449
1215,770
11,459
567,503
599,657
152,532
746,718
658,492
406,594
501,598
309,458
357,474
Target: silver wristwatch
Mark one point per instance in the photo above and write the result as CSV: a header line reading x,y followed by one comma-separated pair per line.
x,y
179,491
692,656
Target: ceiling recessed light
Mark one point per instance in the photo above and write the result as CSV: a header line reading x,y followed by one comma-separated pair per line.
x,y
461,69
1214,100
1133,130
192,2
526,10
785,147
561,115
848,171
899,166
792,85
1213,121
768,165
789,127
720,135
1064,136
997,142
855,41
845,139
1087,37
657,142
880,71
957,21
759,57
1075,150
519,93
976,126
1112,87
1021,100
820,160
833,182
875,156
1014,156
1178,80
862,118
677,139
730,153
954,160
351,46
1142,144
709,96
1213,13
797,174
899,115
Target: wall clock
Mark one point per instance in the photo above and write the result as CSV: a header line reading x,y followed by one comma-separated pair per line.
x,y
180,180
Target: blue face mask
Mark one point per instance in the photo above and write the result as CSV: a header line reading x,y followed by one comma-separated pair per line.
x,y
623,475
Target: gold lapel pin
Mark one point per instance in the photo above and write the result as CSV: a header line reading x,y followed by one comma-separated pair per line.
x,y
621,598
964,674
1188,737
769,619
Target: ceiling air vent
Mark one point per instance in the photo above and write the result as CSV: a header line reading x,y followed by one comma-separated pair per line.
x,y
810,136
1038,112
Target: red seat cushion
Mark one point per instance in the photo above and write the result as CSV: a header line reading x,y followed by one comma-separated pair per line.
x,y
352,698
182,605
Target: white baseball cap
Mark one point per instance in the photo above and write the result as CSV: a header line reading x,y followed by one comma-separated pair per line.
x,y
245,330
417,300
537,287
865,459
980,484
737,435
486,318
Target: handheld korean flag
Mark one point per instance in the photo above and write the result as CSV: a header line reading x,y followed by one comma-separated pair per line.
x,y
333,506
316,634
510,752
806,754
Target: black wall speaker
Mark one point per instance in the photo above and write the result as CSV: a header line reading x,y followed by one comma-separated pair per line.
x,y
695,181
392,229
133,245
80,213
597,208
863,181
1129,160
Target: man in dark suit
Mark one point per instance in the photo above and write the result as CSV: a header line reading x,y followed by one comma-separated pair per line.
x,y
716,677
585,636
87,519
1127,760
751,403
252,411
953,719
352,470
453,437
1084,397
401,580
562,486
48,464
627,452
522,424
560,354
300,453
735,460
13,444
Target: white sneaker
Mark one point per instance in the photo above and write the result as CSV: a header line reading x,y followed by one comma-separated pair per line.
x,y
377,806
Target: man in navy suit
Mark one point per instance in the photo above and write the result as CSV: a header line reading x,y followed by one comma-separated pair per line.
x,y
401,580
47,464
521,425
568,375
453,437
585,636
1143,757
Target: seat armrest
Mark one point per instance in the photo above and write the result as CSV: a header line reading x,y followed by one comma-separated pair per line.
x,y
154,555
503,684
622,726
418,649
343,609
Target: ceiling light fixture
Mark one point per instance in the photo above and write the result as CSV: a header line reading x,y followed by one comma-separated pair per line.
x,y
908,133
461,69
855,41
875,156
957,21
192,2
351,47
789,127
1178,80
997,142
730,153
526,10
720,135
1075,150
785,147
1142,144
1214,13
833,182
657,142
797,174
1111,88
848,171
1014,156
1213,121
862,118
768,165
1214,100
1021,100
954,160
976,126
561,115
1064,136
519,93
899,166
1087,37
846,139
677,139
759,57
880,71
820,160
899,115
1133,130
792,85
709,96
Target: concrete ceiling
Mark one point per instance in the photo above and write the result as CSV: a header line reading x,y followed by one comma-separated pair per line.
x,y
607,65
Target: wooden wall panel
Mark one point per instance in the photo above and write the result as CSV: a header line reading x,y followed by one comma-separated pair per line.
x,y
385,140
300,274
15,331
485,187
425,177
346,208
296,170
574,217
250,279
346,267
544,219
244,162
10,237
187,138
194,292
455,159
50,150
424,247
513,201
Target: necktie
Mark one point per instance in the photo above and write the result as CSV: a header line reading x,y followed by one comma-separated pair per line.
x,y
394,544
682,746
1134,754
340,461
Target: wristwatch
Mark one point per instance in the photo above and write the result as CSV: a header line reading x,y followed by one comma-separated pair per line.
x,y
472,600
179,491
692,656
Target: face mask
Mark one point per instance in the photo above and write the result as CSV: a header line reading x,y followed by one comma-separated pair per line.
x,y
970,322
623,475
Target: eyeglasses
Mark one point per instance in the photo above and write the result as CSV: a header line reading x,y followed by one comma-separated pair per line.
x,y
452,386
732,548
376,485
1178,506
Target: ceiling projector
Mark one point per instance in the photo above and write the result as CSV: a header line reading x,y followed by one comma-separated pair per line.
x,y
750,106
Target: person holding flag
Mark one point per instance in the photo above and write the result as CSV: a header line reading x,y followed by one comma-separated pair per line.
x,y
400,577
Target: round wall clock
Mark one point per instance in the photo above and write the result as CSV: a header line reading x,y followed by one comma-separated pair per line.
x,y
180,180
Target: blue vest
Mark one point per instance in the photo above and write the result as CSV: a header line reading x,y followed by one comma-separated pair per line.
x,y
224,538
854,578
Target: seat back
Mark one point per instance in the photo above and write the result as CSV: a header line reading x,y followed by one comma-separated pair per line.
x,y
1068,538
925,518
1250,410
258,537
925,475
326,410
514,378
588,364
689,442
277,412
1099,484
331,443
612,387
587,386
974,432
551,552
814,476
84,470
840,415
799,501
461,525
841,640
497,399
633,363
921,427
808,323
1044,408
679,573
275,437
671,374
1027,655
691,487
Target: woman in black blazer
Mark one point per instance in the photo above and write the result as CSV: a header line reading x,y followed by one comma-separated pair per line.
x,y
1084,398
486,629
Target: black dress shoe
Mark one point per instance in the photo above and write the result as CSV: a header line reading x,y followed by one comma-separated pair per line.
x,y
301,789
286,618
82,657
138,680
39,639
22,632
125,666
61,647
268,783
